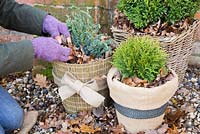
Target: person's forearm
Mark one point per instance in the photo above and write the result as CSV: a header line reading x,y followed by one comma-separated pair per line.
x,y
16,56
21,17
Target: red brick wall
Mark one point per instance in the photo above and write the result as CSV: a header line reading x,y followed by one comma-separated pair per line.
x,y
7,36
103,3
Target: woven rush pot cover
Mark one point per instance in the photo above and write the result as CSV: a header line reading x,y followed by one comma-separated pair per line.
x,y
140,108
84,73
178,48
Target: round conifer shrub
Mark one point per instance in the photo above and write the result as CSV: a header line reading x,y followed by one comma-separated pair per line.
x,y
140,57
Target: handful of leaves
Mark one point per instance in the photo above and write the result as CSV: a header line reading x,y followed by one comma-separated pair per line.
x,y
80,57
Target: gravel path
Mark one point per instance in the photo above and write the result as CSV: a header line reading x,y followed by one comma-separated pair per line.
x,y
185,106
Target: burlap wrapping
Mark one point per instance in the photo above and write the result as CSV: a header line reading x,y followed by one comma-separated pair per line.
x,y
141,99
178,48
135,125
84,72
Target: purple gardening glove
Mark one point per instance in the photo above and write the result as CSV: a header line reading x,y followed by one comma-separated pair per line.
x,y
54,27
49,49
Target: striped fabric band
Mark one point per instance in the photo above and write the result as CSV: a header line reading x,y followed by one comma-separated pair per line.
x,y
140,114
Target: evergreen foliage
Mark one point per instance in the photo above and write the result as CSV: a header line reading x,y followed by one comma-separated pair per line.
x,y
144,12
84,33
141,57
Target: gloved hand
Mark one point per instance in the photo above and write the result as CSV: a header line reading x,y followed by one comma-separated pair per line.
x,y
49,49
55,28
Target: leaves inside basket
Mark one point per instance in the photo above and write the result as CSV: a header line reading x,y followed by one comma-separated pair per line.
x,y
160,28
80,57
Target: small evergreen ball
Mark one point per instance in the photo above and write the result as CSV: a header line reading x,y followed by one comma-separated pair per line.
x,y
141,57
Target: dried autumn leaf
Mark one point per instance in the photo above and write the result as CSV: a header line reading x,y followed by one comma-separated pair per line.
x,y
3,82
163,72
119,129
74,122
87,119
173,117
139,81
163,129
173,130
141,132
87,129
80,60
127,81
132,84
159,24
86,58
185,24
98,129
170,131
76,129
168,110
41,80
174,101
146,30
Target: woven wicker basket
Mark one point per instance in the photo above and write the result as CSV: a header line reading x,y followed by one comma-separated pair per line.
x,y
178,48
84,72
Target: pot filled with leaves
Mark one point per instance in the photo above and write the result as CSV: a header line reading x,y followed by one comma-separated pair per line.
x,y
92,60
140,83
170,21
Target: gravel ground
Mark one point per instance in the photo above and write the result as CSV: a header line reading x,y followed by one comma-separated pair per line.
x,y
185,106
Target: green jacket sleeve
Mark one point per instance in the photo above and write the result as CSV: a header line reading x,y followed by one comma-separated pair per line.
x,y
16,56
21,17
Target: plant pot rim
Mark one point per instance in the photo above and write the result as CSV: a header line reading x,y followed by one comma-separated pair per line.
x,y
115,70
140,98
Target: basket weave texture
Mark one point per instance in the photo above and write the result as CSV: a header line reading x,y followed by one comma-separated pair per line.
x,y
178,48
84,73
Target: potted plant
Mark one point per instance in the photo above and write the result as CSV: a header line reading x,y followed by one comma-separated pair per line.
x,y
140,83
92,56
171,21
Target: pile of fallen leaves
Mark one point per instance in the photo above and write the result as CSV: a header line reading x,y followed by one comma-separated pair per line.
x,y
103,121
158,29
100,120
134,81
172,118
79,56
